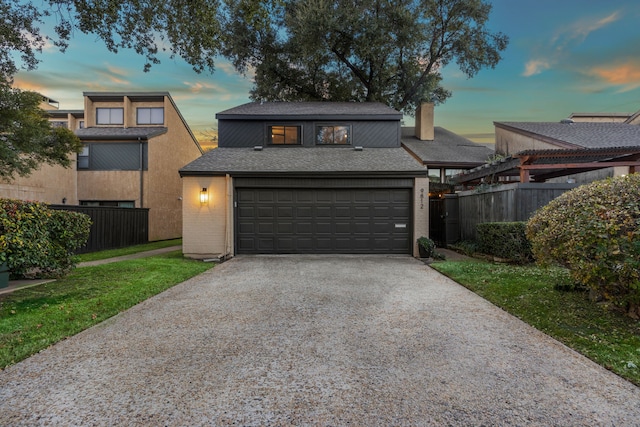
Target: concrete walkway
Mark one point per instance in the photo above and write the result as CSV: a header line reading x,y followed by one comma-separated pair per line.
x,y
27,283
314,340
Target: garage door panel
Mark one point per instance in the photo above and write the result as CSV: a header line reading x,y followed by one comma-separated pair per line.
x,y
339,220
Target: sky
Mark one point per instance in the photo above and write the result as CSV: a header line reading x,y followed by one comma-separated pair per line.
x,y
564,56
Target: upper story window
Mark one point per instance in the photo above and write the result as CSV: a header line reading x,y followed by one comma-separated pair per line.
x,y
285,135
80,124
329,134
150,116
110,116
113,156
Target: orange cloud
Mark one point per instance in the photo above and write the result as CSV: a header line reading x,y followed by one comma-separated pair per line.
x,y
627,75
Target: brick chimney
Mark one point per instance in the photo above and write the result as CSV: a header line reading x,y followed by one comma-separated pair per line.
x,y
424,122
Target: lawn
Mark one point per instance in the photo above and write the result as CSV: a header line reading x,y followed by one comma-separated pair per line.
x,y
111,253
34,318
529,293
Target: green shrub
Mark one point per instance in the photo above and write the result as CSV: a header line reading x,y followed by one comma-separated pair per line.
x,y
38,241
506,240
594,231
428,247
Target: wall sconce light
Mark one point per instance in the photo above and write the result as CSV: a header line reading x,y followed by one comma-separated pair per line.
x,y
204,196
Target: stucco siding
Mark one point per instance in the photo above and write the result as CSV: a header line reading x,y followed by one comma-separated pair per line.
x,y
420,211
48,184
509,142
207,229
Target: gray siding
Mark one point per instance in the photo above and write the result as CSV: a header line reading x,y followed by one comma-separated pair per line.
x,y
249,133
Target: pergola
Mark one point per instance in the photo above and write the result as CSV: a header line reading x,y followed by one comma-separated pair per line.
x,y
541,165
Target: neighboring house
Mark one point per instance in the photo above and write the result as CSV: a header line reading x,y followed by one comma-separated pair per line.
x,y
587,143
628,118
305,177
134,144
443,152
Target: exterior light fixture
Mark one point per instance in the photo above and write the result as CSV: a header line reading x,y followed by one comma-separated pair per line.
x,y
204,196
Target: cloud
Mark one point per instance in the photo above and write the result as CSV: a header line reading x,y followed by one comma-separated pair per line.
x,y
535,66
626,75
565,40
197,87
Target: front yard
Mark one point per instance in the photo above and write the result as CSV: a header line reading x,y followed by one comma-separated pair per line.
x,y
529,293
34,318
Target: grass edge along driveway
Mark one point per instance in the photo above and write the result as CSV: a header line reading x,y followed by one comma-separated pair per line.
x,y
529,292
35,318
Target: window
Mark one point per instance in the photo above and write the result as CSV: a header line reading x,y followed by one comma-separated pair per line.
x,y
333,135
110,116
83,158
113,157
150,116
285,135
58,124
80,124
109,203
434,175
452,172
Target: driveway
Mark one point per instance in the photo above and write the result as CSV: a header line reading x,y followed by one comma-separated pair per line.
x,y
314,340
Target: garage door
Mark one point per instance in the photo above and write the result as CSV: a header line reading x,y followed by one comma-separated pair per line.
x,y
297,220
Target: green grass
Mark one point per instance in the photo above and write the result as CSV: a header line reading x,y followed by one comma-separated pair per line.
x,y
34,318
608,338
111,253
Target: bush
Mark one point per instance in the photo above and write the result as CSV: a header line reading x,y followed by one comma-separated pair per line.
x,y
506,240
38,241
428,247
594,231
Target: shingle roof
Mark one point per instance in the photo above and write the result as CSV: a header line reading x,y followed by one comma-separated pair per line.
x,y
582,134
312,110
447,148
119,133
305,161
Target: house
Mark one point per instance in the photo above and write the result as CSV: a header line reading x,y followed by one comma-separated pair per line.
x,y
443,152
134,144
305,177
594,150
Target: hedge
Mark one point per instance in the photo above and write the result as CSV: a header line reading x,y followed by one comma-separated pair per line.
x,y
36,241
506,240
594,231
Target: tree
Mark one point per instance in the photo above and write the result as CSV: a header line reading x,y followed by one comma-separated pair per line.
x,y
391,51
26,136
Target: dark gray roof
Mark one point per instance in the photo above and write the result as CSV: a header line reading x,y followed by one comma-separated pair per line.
x,y
305,161
311,110
579,135
447,148
61,113
119,133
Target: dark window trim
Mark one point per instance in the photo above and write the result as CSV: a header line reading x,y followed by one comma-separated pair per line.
x,y
298,126
319,125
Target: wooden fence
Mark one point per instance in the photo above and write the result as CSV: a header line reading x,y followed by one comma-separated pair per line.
x,y
112,227
504,203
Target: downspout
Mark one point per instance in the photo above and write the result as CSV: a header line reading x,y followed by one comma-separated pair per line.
x,y
141,173
230,215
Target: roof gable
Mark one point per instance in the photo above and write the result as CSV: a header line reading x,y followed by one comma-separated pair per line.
x,y
578,135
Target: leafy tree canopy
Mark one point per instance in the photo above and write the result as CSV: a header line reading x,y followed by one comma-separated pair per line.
x,y
391,51
26,136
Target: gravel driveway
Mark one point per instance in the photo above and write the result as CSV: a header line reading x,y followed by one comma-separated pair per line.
x,y
314,340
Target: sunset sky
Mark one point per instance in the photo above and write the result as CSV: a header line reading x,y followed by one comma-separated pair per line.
x,y
564,56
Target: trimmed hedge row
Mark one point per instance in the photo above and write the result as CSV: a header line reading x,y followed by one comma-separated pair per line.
x,y
506,240
36,241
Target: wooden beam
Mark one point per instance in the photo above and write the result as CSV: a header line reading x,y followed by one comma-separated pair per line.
x,y
591,165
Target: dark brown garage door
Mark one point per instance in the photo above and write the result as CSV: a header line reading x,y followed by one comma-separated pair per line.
x,y
323,220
